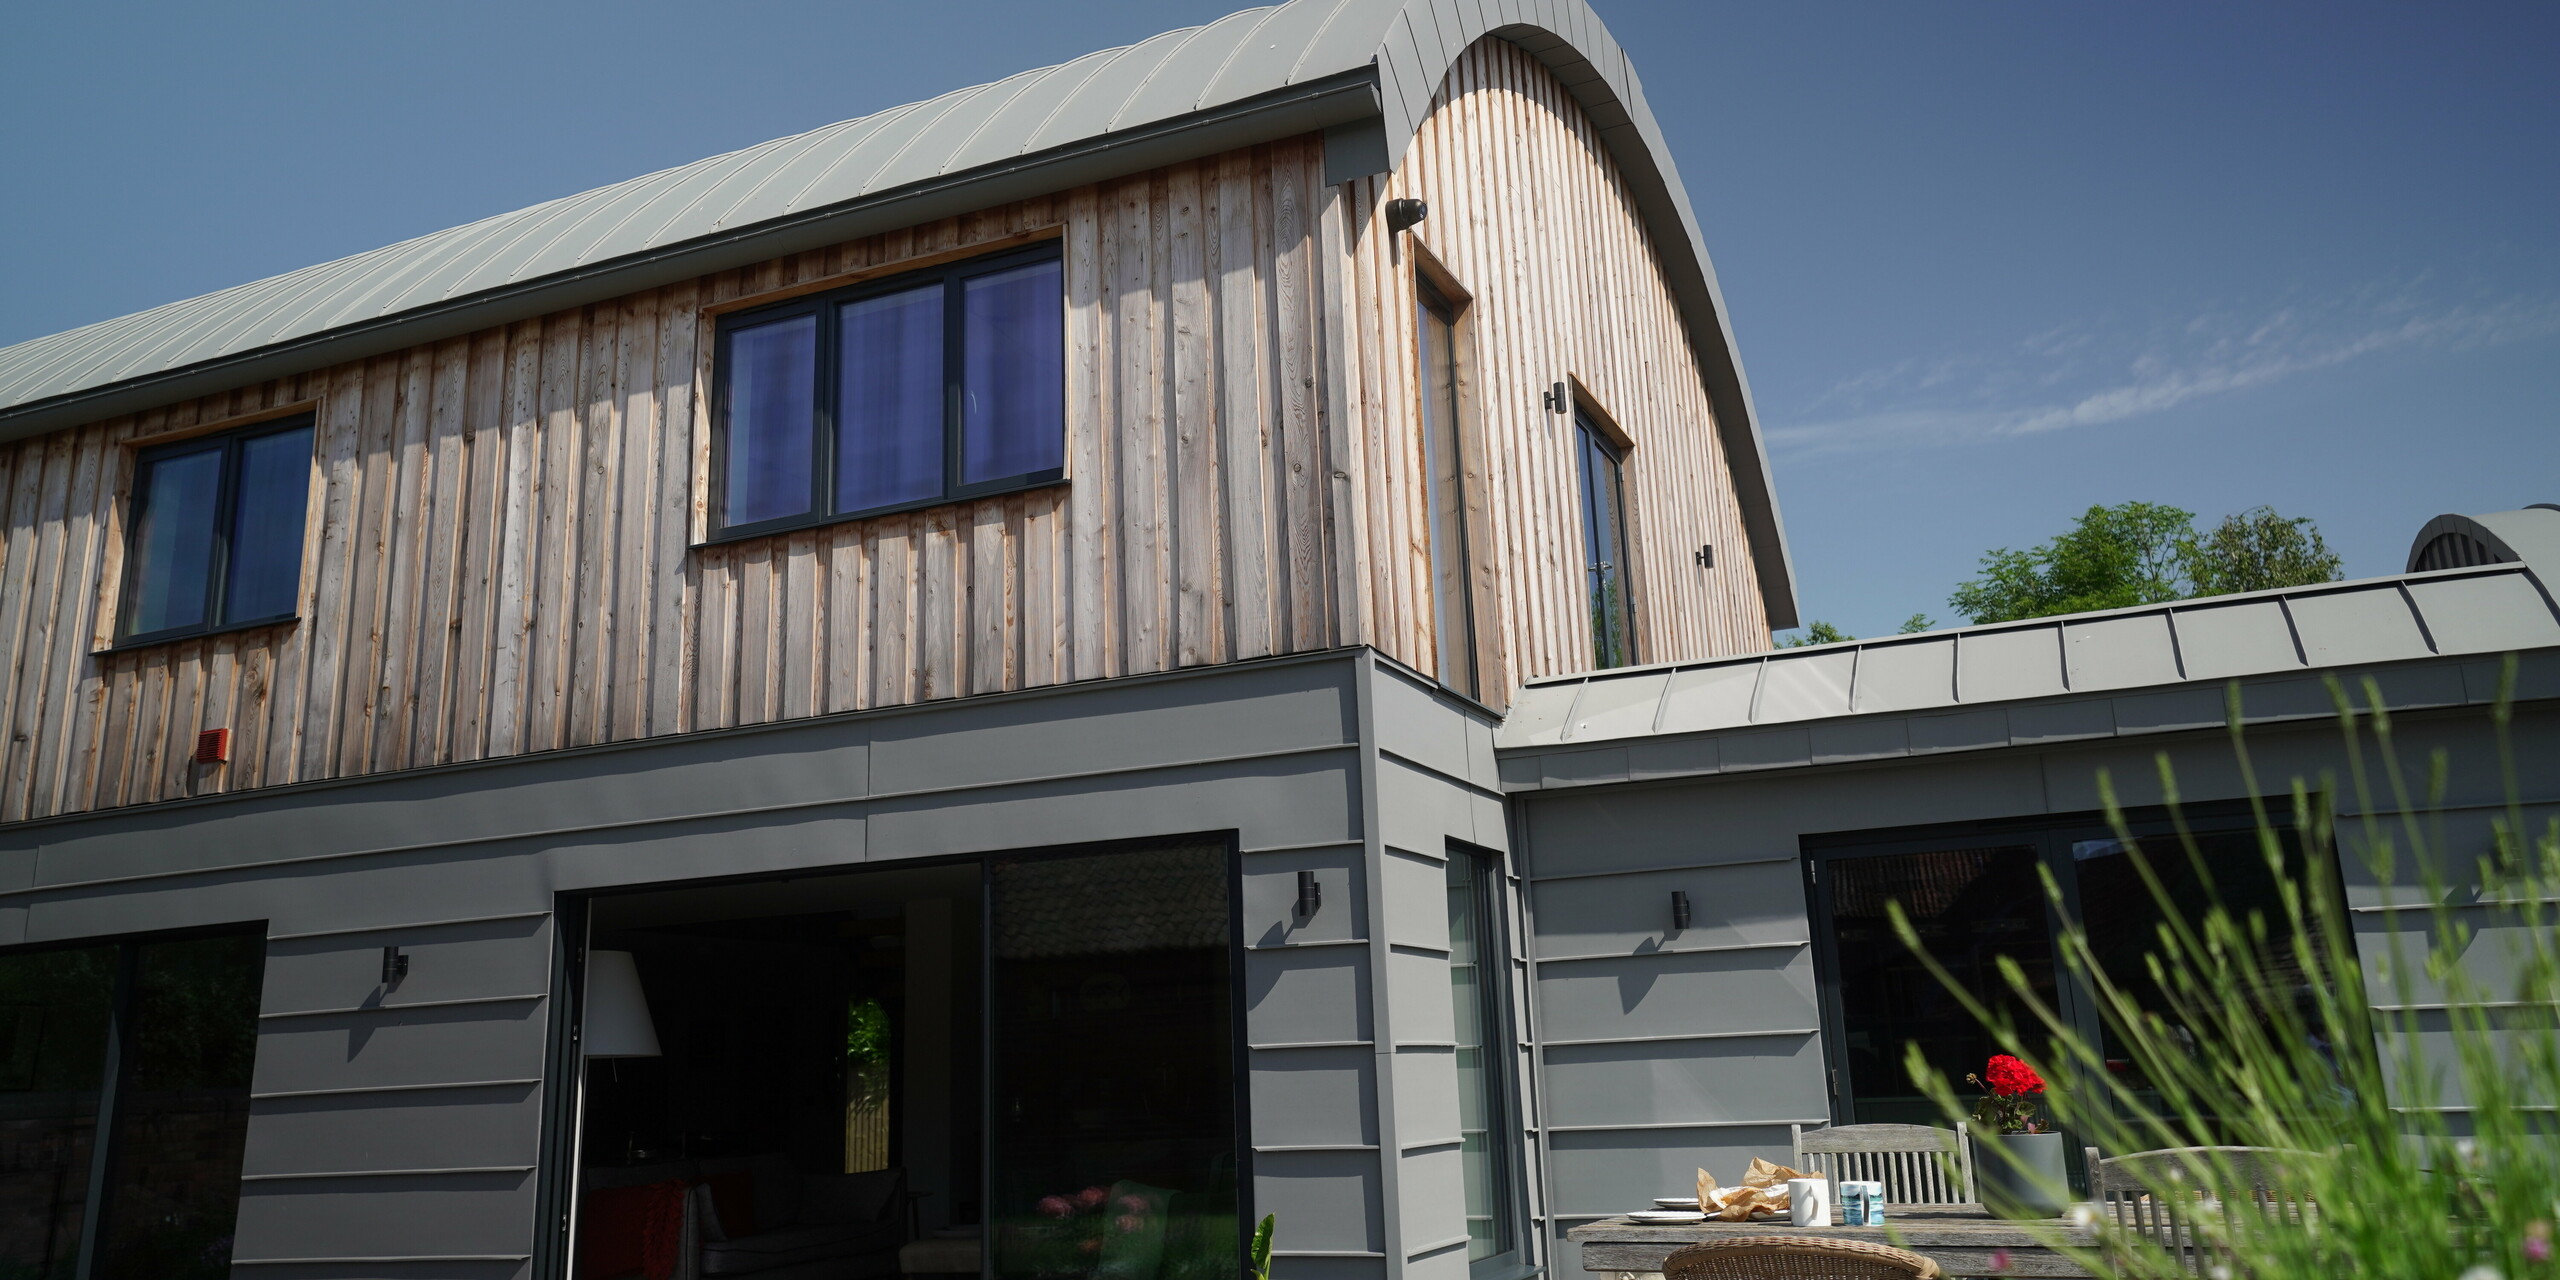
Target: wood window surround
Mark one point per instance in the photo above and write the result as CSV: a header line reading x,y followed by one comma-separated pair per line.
x,y
906,391
214,534
1609,569
1450,484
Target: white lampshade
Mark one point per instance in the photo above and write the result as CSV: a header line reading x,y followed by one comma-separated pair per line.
x,y
617,1022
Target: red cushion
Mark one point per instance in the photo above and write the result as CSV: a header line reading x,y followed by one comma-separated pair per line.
x,y
733,1197
609,1225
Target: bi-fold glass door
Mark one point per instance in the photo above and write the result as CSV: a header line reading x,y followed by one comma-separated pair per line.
x,y
1977,895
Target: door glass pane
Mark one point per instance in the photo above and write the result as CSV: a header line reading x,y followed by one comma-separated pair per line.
x,y
1113,1099
1604,538
1970,907
889,400
2123,921
53,1048
182,1116
265,572
1013,384
1475,981
772,390
1444,490
171,557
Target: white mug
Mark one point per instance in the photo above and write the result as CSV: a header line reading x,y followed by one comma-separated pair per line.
x,y
1809,1202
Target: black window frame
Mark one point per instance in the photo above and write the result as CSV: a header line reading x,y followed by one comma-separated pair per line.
x,y
226,505
1590,439
824,310
1498,962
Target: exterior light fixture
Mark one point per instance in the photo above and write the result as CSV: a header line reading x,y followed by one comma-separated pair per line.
x,y
1559,398
1404,212
1707,556
395,966
1679,910
1310,894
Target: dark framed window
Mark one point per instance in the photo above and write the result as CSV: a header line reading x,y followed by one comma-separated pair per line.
x,y
1444,488
148,1045
1479,974
1604,540
1974,895
215,540
923,388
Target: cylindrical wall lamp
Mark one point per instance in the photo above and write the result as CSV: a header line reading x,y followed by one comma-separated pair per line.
x,y
1679,910
1404,212
1310,894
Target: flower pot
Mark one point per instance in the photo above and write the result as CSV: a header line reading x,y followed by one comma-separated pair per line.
x,y
2022,1174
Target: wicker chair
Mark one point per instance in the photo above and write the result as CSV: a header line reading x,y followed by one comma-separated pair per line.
x,y
1795,1258
1917,1164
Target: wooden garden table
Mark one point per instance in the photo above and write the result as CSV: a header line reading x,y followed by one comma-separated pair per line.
x,y
1963,1238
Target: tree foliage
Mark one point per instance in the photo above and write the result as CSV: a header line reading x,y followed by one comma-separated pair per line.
x,y
1816,632
2138,553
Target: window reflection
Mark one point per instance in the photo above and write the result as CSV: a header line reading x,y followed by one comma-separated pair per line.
x,y
182,1110
1475,977
1114,1130
53,1045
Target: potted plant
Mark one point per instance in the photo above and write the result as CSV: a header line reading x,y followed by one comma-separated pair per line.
x,y
2017,1153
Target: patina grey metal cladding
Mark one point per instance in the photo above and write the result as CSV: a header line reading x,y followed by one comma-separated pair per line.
x,y
1362,70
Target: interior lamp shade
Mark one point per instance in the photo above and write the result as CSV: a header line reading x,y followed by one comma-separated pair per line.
x,y
617,1018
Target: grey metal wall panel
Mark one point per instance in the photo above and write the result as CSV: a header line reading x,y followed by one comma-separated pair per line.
x,y
2485,615
1420,811
2119,652
1334,1195
1906,677
472,1216
1434,1205
2000,665
1315,1097
1151,725
1802,687
800,839
1418,993
1417,913
1754,903
2218,642
2348,627
1297,995
1664,1082
376,1133
1718,697
490,958
1413,722
1270,893
1602,1173
1677,993
1617,708
398,1047
1293,800
1426,1085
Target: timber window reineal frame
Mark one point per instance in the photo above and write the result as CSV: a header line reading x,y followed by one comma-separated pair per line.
x,y
214,536
1452,480
909,391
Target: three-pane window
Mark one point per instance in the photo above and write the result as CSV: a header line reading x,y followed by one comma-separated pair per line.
x,y
216,534
924,388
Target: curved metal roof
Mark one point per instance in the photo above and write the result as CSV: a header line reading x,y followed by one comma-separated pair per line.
x,y
1253,75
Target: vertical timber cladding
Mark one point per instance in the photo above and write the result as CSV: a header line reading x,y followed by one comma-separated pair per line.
x,y
500,551
1531,215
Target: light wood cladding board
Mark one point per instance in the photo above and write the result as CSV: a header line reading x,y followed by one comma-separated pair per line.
x,y
504,549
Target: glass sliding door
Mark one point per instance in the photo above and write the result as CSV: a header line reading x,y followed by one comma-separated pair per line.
x,y
1444,485
1476,973
1112,1139
153,1041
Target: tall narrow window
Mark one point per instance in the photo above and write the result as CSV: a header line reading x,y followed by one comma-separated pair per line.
x,y
1604,540
216,537
1444,491
927,387
1476,982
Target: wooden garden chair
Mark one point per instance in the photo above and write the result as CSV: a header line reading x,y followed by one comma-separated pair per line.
x,y
1917,1163
2128,1191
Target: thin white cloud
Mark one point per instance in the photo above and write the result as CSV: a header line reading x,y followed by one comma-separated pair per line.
x,y
2087,376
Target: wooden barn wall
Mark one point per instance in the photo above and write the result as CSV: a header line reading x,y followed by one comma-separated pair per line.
x,y
1531,217
500,555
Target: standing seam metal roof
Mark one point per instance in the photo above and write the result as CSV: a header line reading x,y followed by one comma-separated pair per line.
x,y
1291,68
2485,610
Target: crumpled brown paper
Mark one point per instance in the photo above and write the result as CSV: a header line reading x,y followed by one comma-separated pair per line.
x,y
1763,1193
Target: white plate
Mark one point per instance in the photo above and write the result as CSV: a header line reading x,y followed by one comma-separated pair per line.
x,y
1669,1216
1675,1202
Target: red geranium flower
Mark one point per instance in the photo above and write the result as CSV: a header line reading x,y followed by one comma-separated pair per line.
x,y
2009,1077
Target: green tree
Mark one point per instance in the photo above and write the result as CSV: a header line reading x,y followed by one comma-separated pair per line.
x,y
1915,624
2257,550
2110,558
1816,632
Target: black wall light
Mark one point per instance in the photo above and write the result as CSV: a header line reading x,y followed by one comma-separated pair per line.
x,y
395,966
1679,910
1310,894
1405,211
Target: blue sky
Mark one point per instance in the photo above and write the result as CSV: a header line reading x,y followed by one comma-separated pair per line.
x,y
1989,263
